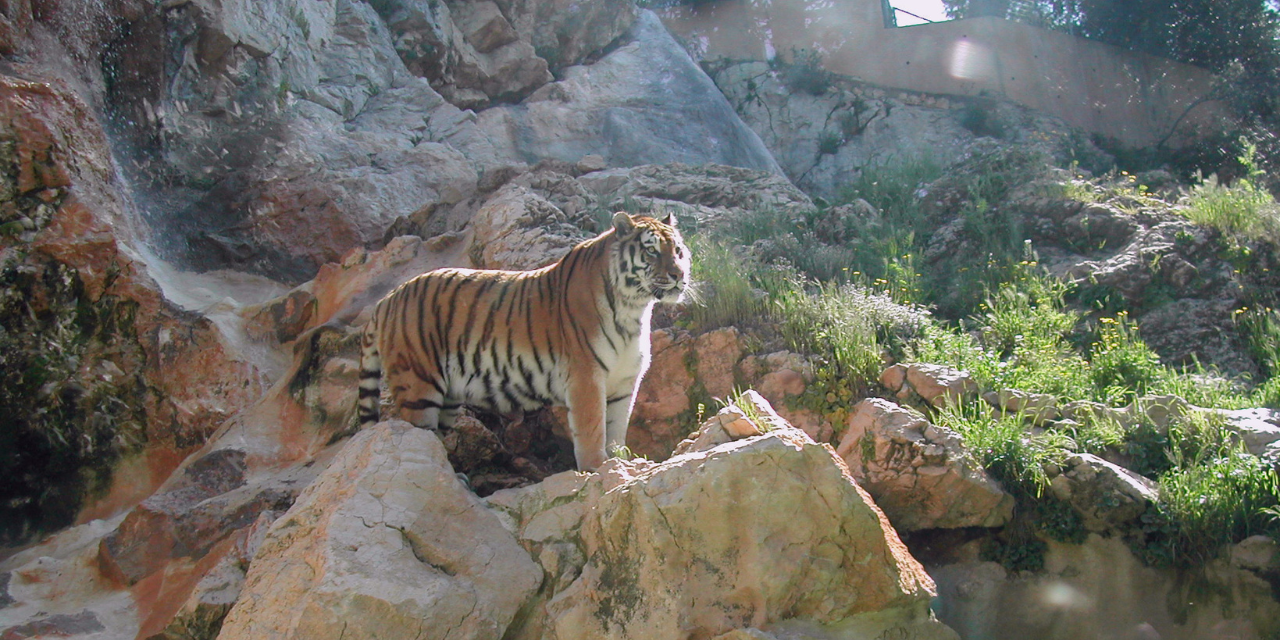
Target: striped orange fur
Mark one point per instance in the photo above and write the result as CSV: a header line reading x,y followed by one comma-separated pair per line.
x,y
575,333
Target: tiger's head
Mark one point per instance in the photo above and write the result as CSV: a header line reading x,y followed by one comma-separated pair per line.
x,y
652,260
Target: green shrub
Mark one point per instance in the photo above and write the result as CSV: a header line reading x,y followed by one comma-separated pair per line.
x,y
1245,208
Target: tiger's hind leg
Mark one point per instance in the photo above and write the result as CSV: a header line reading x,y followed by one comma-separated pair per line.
x,y
419,402
370,390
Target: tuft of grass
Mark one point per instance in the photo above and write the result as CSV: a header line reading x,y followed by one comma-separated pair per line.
x,y
1218,501
1121,365
728,286
1007,447
1244,209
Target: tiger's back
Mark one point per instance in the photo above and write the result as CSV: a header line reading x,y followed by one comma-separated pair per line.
x,y
575,333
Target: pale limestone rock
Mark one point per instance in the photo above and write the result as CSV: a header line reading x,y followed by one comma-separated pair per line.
x,y
385,543
765,532
1036,407
511,231
591,163
1256,553
1105,495
645,102
1159,410
780,376
939,386
732,423
919,473
1259,429
1086,411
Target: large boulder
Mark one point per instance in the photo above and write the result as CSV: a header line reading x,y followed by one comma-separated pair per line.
x,y
919,473
385,543
645,102
767,531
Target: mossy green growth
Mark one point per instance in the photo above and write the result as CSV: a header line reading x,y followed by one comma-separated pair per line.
x,y
73,394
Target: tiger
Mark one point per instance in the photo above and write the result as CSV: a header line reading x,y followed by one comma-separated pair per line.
x,y
574,333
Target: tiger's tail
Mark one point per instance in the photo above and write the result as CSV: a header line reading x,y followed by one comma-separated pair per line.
x,y
370,377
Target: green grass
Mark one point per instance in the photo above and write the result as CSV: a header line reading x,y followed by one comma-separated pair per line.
x,y
1202,507
1244,209
1007,448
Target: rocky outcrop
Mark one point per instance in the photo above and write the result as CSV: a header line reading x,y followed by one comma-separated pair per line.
x,y
919,473
938,386
388,543
825,129
1184,283
98,365
299,133
644,550
1106,496
645,102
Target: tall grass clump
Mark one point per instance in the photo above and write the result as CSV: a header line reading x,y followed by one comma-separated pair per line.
x,y
848,324
731,288
1212,503
1007,447
894,188
1245,208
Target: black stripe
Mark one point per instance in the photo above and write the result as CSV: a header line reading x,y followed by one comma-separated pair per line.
x,y
366,374
369,393
419,405
618,399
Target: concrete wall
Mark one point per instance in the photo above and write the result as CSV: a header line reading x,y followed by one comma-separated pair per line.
x,y
1135,98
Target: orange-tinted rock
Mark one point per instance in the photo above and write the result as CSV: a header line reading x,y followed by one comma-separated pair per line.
x,y
663,396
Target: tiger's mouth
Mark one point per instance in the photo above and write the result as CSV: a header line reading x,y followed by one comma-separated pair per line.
x,y
667,291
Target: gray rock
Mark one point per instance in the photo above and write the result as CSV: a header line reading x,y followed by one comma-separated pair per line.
x,y
646,102
1259,429
1105,495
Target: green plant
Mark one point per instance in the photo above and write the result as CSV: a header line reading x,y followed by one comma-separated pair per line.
x,y
1007,448
1262,328
1245,208
732,288
1122,366
832,320
1219,501
804,72
829,143
747,408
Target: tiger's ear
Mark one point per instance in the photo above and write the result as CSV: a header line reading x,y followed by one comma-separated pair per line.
x,y
622,224
670,220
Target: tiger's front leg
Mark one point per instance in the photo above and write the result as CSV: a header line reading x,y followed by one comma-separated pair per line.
x,y
587,420
617,416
